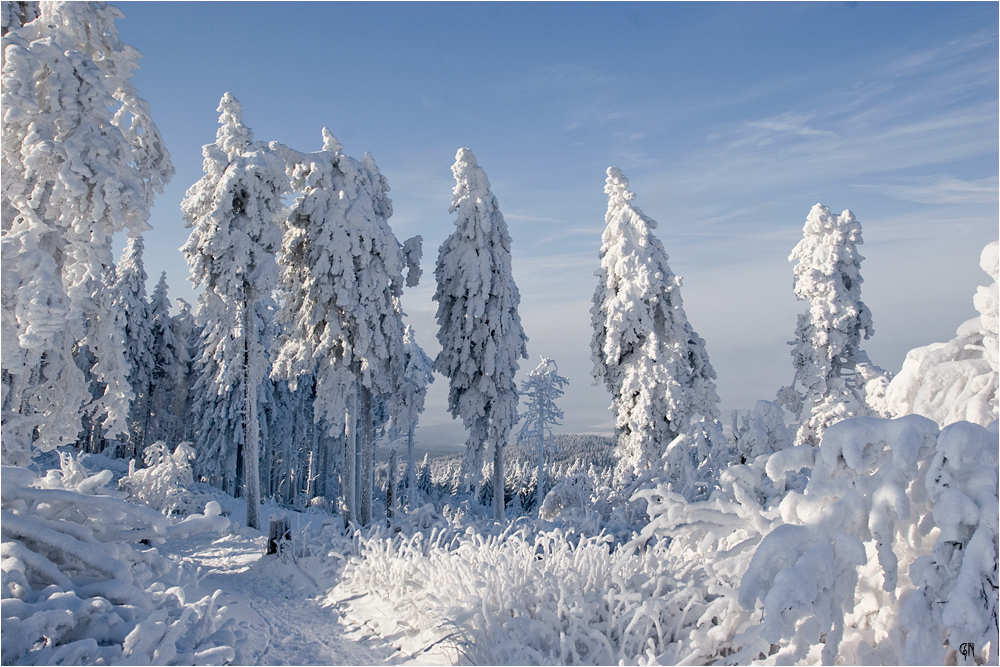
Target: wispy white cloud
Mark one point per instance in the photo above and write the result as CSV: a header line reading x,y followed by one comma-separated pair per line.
x,y
939,190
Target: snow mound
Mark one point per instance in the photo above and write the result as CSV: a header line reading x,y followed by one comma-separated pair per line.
x,y
82,585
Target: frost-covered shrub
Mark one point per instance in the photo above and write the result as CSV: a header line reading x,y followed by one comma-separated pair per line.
x,y
81,583
888,556
167,482
957,380
761,432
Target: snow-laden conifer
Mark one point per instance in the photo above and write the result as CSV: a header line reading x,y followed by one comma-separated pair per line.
x,y
342,277
188,334
479,328
648,355
81,161
170,366
831,369
235,212
130,297
543,386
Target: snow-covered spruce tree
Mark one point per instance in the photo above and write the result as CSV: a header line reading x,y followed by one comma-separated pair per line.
x,y
543,386
130,297
479,328
650,358
235,211
831,369
341,284
169,370
957,380
417,374
188,333
81,161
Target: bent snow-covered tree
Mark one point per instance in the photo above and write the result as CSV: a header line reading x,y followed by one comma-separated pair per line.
x,y
235,211
342,277
82,160
644,349
831,369
479,328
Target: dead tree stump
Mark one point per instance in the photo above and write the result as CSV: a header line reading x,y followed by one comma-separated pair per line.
x,y
279,535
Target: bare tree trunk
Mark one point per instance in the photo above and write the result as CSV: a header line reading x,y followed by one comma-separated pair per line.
x,y
411,468
390,489
498,491
350,456
540,490
251,435
366,433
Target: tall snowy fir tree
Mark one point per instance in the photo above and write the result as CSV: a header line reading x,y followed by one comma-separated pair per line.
x,y
235,211
130,297
479,328
67,100
644,349
341,283
831,369
543,386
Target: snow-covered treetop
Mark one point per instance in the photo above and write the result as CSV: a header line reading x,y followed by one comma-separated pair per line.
x,y
235,209
418,373
827,351
480,330
828,274
341,276
77,45
652,361
541,389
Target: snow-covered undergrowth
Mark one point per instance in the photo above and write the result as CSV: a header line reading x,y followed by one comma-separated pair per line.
x,y
82,583
876,547
167,482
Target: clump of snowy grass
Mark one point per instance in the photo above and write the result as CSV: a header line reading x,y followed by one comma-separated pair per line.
x,y
876,547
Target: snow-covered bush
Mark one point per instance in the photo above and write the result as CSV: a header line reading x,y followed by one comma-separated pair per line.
x,y
957,380
888,556
763,431
167,482
81,583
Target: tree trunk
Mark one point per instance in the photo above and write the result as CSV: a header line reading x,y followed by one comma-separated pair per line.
x,y
498,490
279,535
350,456
251,435
411,468
390,489
366,433
540,490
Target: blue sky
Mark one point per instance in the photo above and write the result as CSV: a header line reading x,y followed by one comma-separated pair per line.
x,y
730,119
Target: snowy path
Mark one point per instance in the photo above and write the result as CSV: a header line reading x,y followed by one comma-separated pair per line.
x,y
280,607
